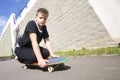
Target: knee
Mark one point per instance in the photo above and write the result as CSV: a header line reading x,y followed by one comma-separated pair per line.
x,y
46,55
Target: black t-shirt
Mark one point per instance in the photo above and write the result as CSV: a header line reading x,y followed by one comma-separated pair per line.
x,y
32,28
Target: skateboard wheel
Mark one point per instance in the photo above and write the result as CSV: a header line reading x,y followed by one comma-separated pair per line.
x,y
25,67
50,69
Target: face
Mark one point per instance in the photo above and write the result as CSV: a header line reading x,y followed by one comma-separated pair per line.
x,y
41,19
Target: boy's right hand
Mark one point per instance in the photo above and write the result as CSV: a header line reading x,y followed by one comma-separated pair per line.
x,y
42,63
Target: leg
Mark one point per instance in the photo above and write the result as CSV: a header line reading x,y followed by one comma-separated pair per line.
x,y
45,53
25,55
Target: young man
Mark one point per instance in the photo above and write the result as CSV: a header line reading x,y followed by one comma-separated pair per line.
x,y
29,50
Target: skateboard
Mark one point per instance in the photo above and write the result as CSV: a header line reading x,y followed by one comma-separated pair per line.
x,y
53,63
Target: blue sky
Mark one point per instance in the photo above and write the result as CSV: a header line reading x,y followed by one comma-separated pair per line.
x,y
10,6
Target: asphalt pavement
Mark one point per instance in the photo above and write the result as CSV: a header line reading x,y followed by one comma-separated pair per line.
x,y
77,68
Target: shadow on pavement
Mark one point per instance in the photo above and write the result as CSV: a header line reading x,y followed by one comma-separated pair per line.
x,y
46,68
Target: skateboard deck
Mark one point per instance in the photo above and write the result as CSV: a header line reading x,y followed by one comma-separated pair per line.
x,y
52,63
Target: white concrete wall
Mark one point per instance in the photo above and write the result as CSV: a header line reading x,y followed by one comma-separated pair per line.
x,y
72,24
109,13
8,35
6,39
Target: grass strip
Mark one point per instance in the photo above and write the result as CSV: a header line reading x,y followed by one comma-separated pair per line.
x,y
89,52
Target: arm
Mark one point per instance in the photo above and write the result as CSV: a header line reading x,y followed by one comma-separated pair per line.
x,y
35,45
49,47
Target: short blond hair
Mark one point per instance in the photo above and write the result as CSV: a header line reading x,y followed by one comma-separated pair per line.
x,y
42,10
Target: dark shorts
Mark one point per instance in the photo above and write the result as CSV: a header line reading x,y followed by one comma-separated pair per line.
x,y
27,55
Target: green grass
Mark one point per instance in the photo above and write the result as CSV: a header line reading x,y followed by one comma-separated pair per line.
x,y
83,52
6,58
90,52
